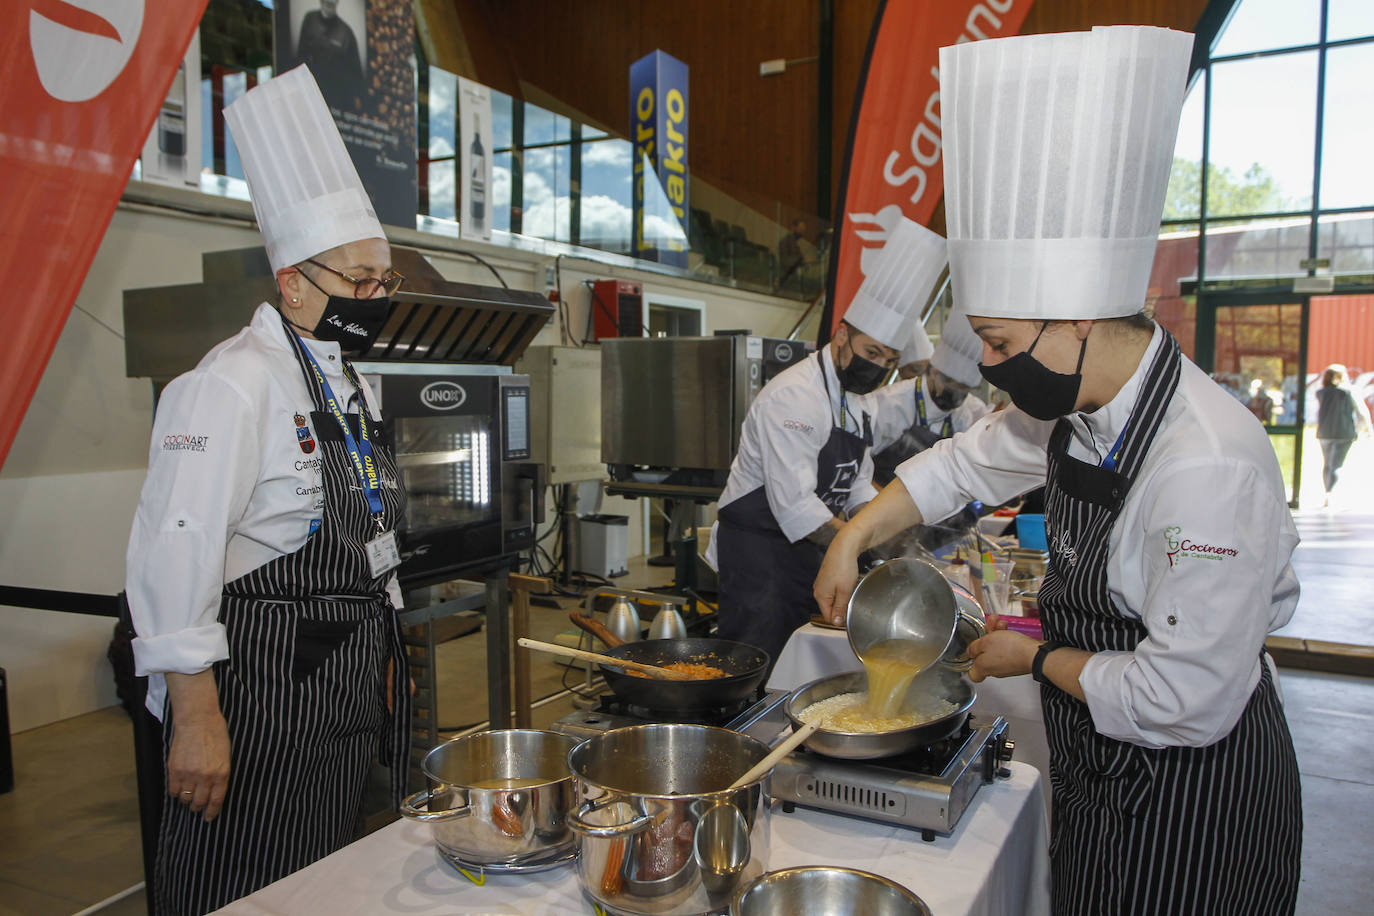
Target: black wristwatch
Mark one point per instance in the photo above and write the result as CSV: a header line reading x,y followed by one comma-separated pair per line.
x,y
1038,663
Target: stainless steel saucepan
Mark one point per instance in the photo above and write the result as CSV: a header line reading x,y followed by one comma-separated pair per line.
x,y
499,800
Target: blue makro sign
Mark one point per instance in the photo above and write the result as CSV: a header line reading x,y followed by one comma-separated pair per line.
x,y
658,130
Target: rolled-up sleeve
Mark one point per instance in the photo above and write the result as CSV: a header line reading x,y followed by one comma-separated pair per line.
x,y
1206,545
996,459
202,467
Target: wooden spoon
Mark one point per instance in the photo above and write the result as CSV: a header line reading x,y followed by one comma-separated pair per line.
x,y
776,754
597,629
665,674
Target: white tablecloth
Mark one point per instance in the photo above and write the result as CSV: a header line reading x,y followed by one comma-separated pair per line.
x,y
816,652
995,862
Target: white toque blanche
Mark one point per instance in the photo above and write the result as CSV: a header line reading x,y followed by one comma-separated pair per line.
x,y
1057,151
959,350
305,190
918,348
898,285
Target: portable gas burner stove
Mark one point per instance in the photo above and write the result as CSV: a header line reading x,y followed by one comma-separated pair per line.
x,y
927,789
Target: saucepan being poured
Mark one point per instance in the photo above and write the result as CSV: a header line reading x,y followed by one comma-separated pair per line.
x,y
901,619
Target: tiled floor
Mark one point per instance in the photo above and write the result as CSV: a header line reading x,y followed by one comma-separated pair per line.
x,y
69,833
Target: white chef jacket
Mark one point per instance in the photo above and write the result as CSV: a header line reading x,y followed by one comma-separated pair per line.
x,y
229,488
783,434
894,408
1199,553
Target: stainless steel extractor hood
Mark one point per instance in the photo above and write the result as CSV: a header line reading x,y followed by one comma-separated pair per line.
x,y
169,328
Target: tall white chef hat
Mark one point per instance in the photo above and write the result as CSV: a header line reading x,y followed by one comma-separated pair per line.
x,y
1057,151
959,350
898,284
918,348
306,193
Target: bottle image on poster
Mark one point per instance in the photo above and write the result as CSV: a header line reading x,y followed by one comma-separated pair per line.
x,y
477,187
171,152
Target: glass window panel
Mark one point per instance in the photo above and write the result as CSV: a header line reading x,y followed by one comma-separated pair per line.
x,y
1257,350
1263,126
1262,25
443,113
500,120
543,126
1258,354
1348,240
1349,19
546,201
443,189
591,133
500,186
1257,249
606,195
1348,127
1175,262
1184,197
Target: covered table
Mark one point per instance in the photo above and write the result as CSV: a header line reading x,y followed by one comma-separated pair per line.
x,y
995,862
815,652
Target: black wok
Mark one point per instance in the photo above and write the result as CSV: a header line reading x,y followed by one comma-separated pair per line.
x,y
744,665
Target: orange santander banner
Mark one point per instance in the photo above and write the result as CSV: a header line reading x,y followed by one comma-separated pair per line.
x,y
893,165
80,84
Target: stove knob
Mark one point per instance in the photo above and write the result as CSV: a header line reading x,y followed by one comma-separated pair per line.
x,y
1005,748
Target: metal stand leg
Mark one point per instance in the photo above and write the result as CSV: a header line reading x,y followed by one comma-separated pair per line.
x,y
499,649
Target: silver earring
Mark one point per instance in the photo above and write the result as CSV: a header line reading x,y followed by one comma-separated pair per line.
x,y
294,299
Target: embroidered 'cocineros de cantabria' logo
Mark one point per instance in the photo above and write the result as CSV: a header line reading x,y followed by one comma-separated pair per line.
x,y
1179,548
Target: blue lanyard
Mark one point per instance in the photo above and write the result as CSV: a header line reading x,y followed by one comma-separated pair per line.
x,y
947,429
1110,461
359,452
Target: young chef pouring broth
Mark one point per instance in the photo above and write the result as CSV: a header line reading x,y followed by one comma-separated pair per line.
x,y
1175,783
803,460
260,563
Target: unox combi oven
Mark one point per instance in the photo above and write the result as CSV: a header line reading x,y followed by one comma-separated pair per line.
x,y
462,437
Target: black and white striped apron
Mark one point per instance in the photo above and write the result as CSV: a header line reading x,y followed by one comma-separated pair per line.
x,y
303,694
1177,830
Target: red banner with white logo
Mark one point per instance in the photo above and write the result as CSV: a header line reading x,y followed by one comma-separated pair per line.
x,y
893,167
83,80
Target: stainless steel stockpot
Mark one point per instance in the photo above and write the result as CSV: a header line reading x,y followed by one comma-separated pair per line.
x,y
662,834
499,799
826,891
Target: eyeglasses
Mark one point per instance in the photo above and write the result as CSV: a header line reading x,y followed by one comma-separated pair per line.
x,y
367,287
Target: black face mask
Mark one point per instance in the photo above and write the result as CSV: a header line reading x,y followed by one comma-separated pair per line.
x,y
1040,392
860,376
350,322
353,323
948,399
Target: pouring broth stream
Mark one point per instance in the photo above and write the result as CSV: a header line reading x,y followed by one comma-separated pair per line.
x,y
891,666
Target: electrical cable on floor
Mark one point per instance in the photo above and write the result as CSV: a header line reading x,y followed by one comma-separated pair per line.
x,y
110,901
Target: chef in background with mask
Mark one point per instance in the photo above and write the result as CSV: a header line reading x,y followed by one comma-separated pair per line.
x,y
261,563
912,415
803,463
915,356
1176,786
